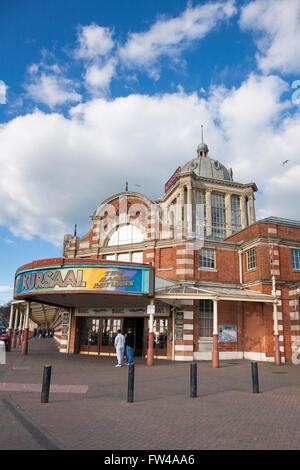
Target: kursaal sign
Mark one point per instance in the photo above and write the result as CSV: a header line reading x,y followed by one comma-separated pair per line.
x,y
113,279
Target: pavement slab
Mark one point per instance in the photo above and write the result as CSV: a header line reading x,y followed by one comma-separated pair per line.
x,y
88,408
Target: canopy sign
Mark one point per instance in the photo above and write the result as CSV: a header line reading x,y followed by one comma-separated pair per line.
x,y
118,279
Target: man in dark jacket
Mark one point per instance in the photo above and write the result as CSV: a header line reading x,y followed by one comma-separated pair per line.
x,y
129,343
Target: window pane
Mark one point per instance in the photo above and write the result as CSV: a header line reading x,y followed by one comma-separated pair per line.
x,y
251,258
296,259
236,223
126,234
123,257
110,257
218,217
207,258
137,257
206,318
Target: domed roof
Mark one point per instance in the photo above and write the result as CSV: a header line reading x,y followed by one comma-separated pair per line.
x,y
202,146
207,167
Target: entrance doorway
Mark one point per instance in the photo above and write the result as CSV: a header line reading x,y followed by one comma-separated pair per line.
x,y
137,326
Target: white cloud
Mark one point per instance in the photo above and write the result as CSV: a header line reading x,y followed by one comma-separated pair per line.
x,y
168,37
94,41
98,77
51,89
276,24
5,289
3,90
56,171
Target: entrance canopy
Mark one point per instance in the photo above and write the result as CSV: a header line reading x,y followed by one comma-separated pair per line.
x,y
51,284
193,291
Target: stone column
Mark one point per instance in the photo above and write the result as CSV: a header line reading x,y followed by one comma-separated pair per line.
x,y
215,353
228,214
178,223
14,336
10,325
26,329
20,329
208,213
189,214
244,213
251,209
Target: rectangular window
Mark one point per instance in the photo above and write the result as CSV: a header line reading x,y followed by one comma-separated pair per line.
x,y
206,319
123,257
207,258
200,213
251,259
236,223
110,257
218,216
137,257
296,259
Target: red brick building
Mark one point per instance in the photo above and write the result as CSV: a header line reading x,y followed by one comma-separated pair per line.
x,y
224,284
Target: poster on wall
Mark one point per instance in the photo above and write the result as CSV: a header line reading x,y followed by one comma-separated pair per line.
x,y
179,318
179,333
227,333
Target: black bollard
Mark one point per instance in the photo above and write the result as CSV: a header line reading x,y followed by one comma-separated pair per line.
x,y
193,380
255,377
46,384
130,383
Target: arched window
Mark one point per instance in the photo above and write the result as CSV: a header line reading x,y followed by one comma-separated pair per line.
x,y
125,235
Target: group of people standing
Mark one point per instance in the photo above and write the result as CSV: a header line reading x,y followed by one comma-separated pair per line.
x,y
124,345
43,332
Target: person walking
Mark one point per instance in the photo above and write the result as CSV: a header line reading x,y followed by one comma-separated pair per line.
x,y
129,343
120,346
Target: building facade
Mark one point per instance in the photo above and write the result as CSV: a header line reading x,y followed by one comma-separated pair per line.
x,y
224,285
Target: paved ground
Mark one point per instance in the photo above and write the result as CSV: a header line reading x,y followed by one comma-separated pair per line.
x,y
94,413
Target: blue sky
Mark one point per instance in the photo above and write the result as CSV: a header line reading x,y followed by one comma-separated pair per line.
x,y
96,93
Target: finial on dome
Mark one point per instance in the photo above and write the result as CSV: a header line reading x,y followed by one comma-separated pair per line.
x,y
202,149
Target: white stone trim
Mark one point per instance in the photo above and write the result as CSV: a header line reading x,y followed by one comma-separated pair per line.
x,y
188,337
183,358
184,347
185,252
188,315
185,261
187,302
84,245
184,271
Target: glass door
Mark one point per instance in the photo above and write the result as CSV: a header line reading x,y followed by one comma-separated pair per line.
x,y
90,333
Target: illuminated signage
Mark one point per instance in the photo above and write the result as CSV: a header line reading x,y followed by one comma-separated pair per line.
x,y
81,278
173,179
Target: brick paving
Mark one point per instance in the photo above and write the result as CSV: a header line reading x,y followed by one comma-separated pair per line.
x,y
224,415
